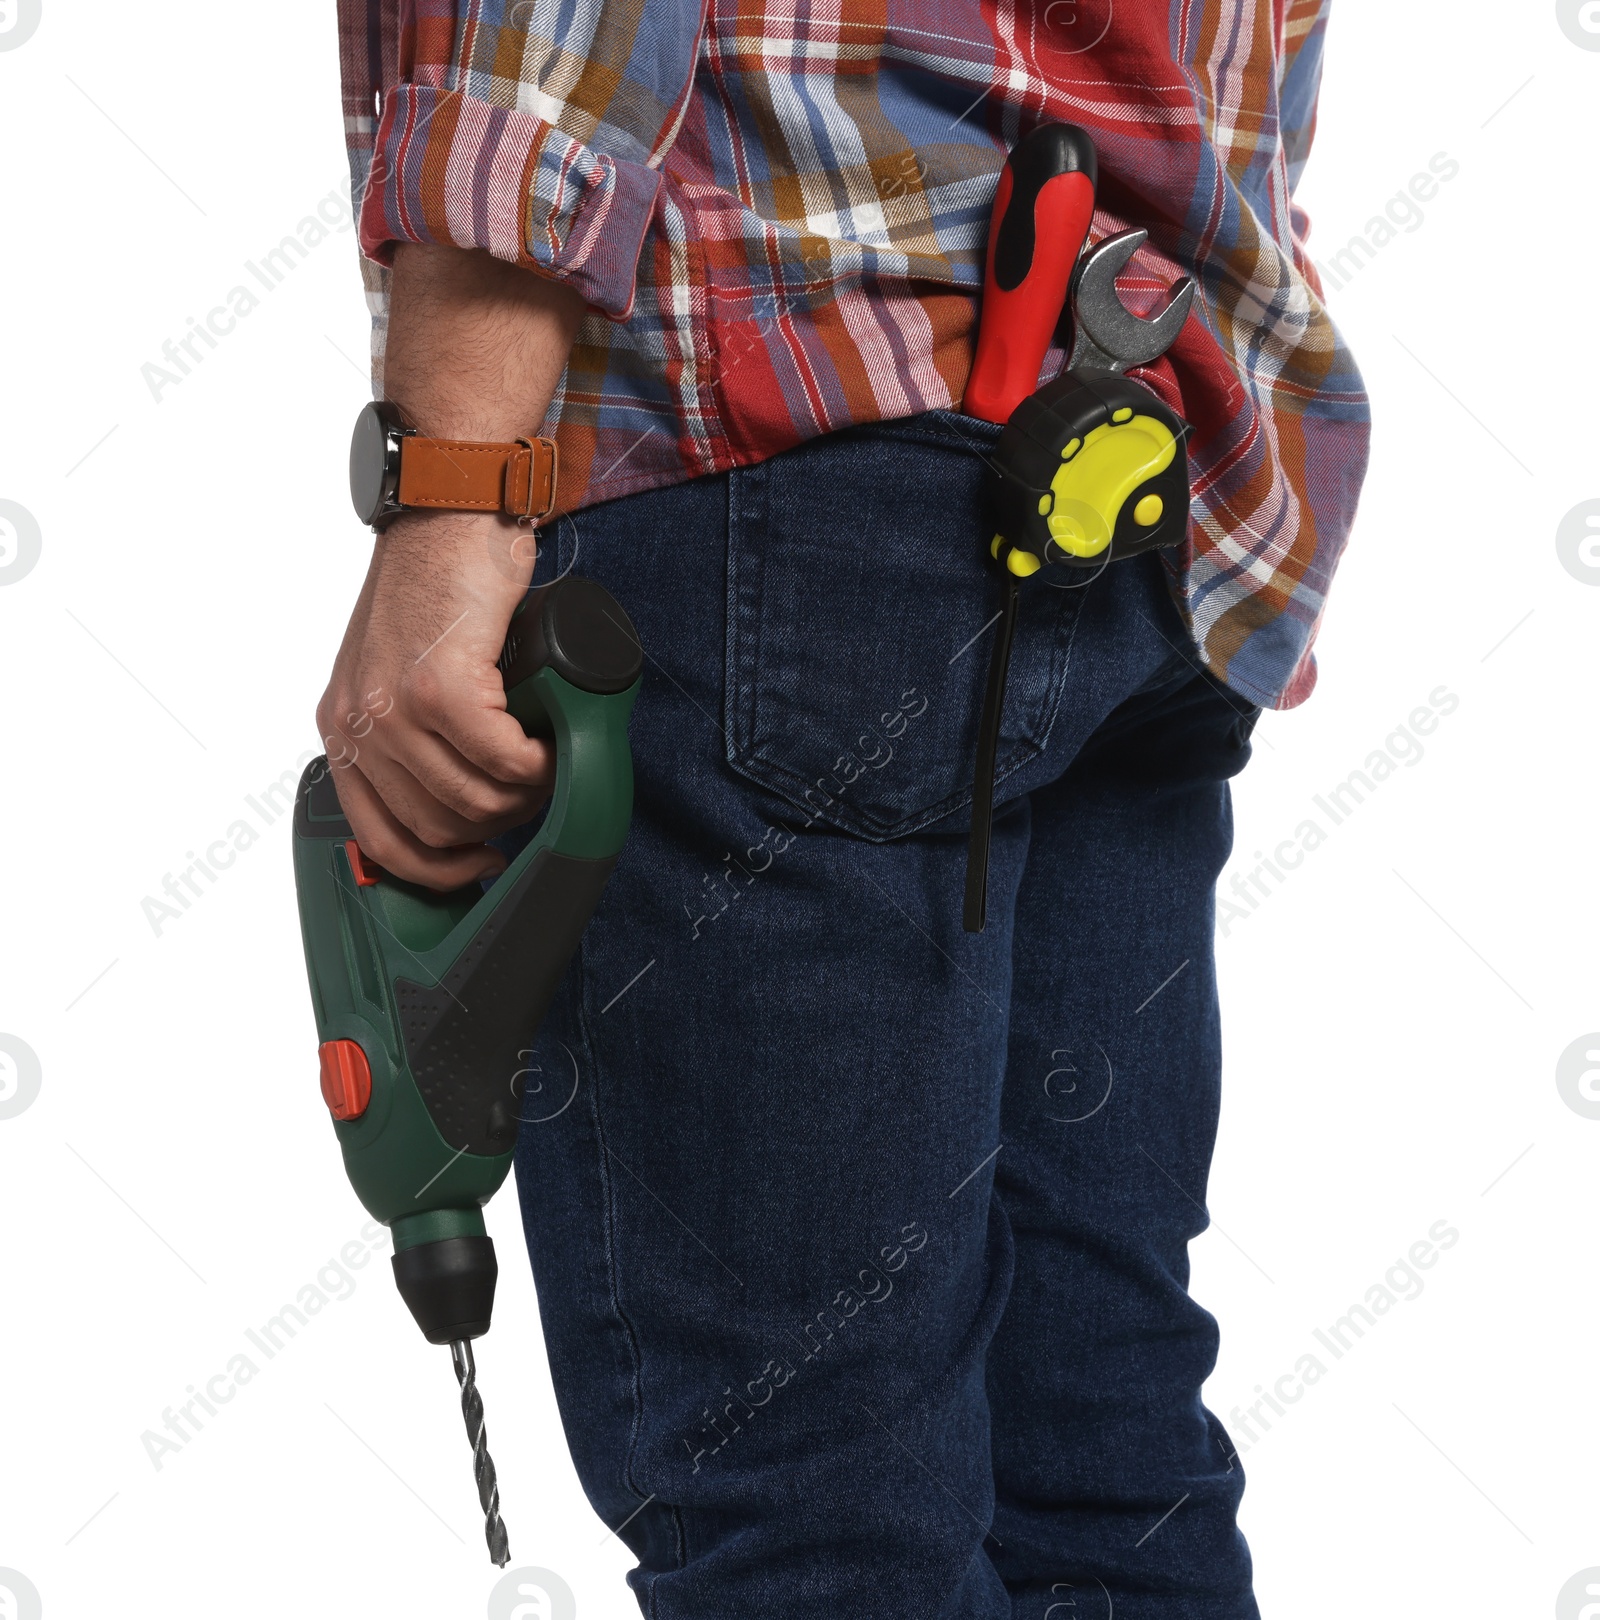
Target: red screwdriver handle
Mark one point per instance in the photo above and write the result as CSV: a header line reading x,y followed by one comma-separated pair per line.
x,y
1040,222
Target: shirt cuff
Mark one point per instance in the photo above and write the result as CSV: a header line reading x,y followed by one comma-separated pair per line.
x,y
450,168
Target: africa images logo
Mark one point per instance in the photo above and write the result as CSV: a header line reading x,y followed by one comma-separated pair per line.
x,y
20,1079
1578,540
18,19
1580,22
1579,1599
19,1597
1578,1078
20,540
530,1593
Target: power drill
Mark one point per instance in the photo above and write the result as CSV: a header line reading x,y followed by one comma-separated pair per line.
x,y
427,1004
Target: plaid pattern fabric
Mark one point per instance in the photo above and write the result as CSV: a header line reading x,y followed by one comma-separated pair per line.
x,y
777,212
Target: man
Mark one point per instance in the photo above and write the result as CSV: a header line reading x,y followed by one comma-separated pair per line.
x,y
862,1246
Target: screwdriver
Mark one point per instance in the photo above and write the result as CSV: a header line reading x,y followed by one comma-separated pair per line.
x,y
1043,208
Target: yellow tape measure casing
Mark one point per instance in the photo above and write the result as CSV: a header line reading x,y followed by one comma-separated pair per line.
x,y
1092,463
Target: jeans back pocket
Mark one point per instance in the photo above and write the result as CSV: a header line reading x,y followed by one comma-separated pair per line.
x,y
861,613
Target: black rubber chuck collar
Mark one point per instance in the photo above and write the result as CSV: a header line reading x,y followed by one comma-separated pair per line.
x,y
449,1286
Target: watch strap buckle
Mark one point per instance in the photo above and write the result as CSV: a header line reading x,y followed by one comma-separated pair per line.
x,y
530,490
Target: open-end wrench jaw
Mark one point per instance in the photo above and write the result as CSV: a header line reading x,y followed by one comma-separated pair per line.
x,y
1107,335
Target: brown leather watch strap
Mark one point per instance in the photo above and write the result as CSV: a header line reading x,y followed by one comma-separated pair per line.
x,y
517,478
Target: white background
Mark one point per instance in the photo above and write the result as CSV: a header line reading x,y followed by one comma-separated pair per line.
x,y
1395,1010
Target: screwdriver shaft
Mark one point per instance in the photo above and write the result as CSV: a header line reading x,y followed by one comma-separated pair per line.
x,y
494,1529
975,905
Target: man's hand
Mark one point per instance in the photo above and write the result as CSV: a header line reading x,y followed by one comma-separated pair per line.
x,y
426,759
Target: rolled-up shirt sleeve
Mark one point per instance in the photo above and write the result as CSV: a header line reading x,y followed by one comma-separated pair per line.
x,y
532,129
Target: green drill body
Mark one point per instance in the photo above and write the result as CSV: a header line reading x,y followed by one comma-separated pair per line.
x,y
361,943
427,1005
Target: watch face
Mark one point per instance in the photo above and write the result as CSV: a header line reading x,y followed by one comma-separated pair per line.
x,y
375,462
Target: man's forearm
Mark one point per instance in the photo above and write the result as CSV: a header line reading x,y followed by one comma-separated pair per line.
x,y
475,345
427,761
475,349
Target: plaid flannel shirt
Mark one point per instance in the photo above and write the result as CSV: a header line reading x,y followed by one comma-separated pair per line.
x,y
778,215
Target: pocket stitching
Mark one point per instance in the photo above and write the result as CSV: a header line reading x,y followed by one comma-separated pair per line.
x,y
742,664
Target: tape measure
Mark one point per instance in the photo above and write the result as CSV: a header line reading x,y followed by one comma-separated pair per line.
x,y
1089,469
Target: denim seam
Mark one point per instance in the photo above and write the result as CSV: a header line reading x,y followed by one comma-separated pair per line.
x,y
733,650
1060,667
790,786
608,1249
920,430
743,648
782,779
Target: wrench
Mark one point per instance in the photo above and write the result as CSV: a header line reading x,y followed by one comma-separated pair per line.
x,y
1107,336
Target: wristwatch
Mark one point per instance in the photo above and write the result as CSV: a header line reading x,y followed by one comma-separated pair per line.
x,y
394,469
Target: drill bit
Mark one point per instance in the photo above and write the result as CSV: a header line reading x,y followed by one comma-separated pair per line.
x,y
494,1528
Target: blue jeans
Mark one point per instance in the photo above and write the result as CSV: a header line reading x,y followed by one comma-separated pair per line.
x,y
861,1242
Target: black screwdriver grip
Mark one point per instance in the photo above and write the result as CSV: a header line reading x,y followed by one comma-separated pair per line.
x,y
1038,158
